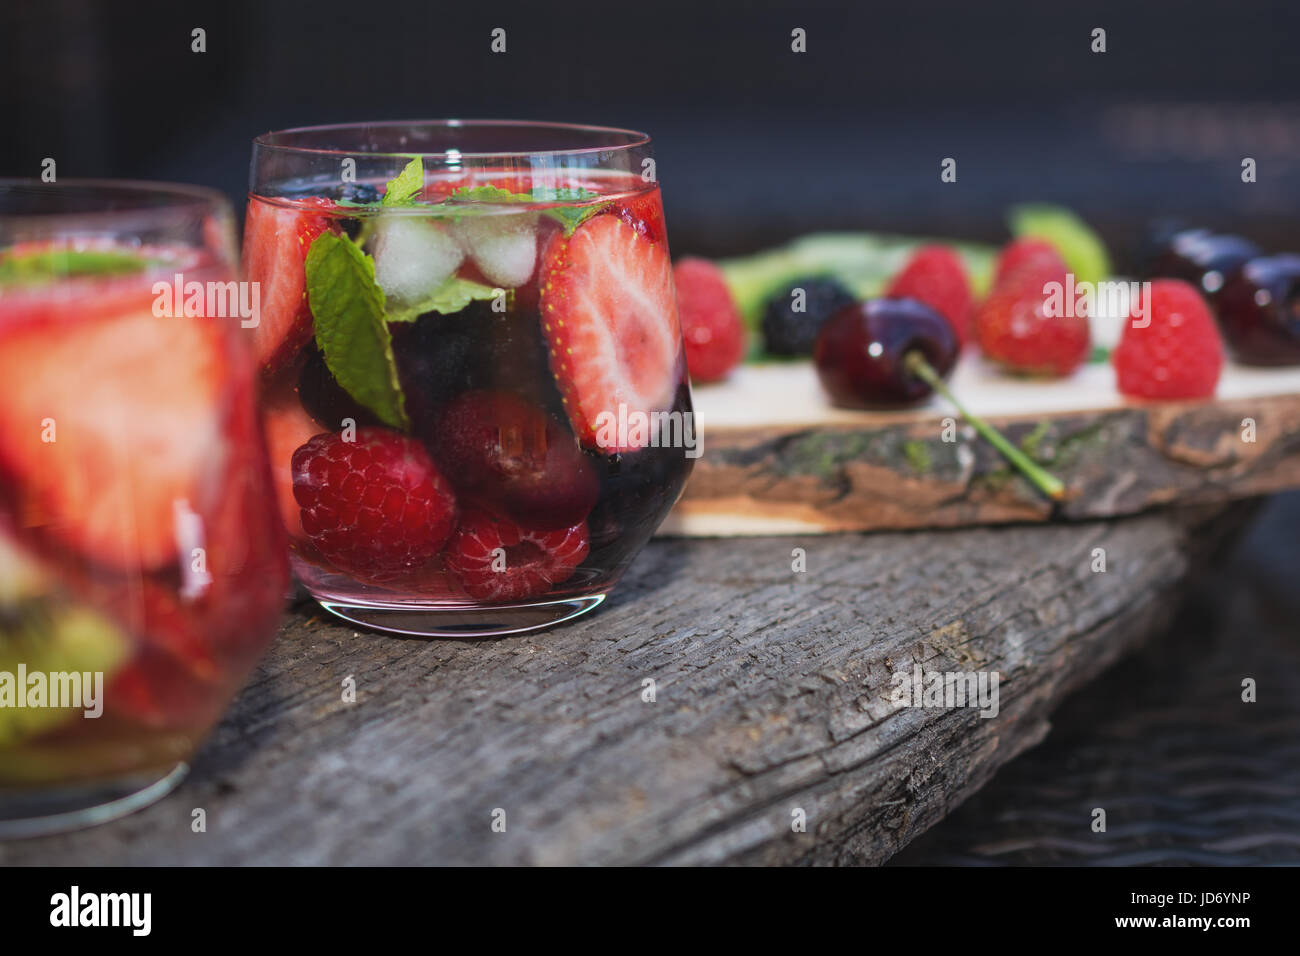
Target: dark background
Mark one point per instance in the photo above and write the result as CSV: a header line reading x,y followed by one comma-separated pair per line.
x,y
755,143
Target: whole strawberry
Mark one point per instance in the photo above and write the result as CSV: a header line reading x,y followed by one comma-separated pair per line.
x,y
1023,329
1175,351
713,333
935,276
1020,252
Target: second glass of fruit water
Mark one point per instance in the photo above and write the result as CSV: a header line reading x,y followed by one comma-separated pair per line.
x,y
474,388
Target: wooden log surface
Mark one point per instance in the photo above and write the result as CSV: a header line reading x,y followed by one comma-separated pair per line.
x,y
772,695
779,460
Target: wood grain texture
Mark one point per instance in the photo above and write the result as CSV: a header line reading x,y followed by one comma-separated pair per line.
x,y
904,474
772,694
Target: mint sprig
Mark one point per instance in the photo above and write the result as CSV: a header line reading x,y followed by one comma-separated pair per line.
x,y
402,189
347,307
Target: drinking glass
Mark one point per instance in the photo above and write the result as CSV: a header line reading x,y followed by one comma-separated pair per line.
x,y
473,378
141,558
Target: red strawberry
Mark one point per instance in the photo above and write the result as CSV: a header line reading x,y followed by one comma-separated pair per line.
x,y
644,213
133,407
288,427
610,317
1013,328
936,276
376,507
712,332
506,453
496,560
1175,352
276,242
1019,252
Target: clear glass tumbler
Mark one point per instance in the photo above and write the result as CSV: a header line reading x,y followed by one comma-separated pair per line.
x,y
142,566
475,392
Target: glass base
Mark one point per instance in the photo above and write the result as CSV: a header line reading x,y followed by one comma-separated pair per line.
x,y
466,621
43,810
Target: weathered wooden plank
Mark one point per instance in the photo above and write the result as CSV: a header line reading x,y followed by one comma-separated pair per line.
x,y
772,693
903,471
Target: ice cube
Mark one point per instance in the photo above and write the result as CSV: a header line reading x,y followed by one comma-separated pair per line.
x,y
504,247
413,257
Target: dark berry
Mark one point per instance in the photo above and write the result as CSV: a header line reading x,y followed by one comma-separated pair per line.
x,y
360,193
636,491
793,317
861,350
440,356
324,398
1203,259
1259,311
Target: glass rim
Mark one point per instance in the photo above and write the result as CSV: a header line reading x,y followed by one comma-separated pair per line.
x,y
630,139
179,197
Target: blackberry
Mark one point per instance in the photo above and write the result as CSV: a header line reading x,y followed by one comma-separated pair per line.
x,y
792,320
440,356
323,397
362,193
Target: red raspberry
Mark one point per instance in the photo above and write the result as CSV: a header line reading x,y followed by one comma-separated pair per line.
x,y
497,560
711,326
504,453
1177,355
375,507
1013,328
1019,252
935,276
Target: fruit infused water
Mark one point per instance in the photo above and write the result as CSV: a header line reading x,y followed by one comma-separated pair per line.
x,y
476,398
141,570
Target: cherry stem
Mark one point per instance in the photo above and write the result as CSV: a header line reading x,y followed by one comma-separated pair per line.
x,y
914,362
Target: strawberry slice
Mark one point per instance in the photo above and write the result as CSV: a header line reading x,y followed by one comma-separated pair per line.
x,y
610,317
276,241
116,426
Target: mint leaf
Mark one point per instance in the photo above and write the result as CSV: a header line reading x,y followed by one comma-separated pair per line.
x,y
401,190
487,194
563,194
570,217
452,296
347,307
50,264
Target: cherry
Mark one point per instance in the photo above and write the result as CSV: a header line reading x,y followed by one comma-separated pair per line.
x,y
1259,311
1205,259
885,353
860,350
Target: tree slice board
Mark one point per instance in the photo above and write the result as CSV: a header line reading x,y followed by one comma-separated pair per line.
x,y
779,459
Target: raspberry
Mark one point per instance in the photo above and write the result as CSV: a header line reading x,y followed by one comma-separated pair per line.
x,y
1020,252
1012,326
507,454
375,507
711,326
935,276
1177,355
497,560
